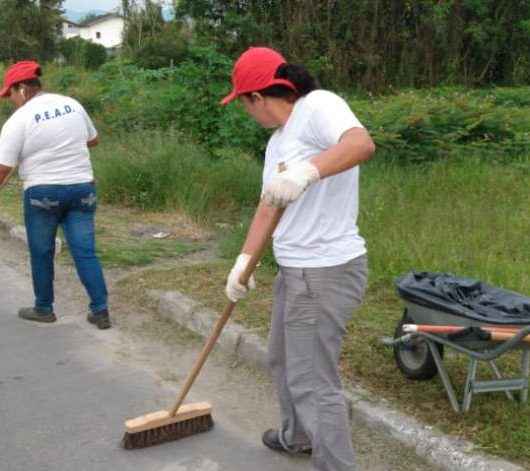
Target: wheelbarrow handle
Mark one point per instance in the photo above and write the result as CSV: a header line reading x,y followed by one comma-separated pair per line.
x,y
453,329
487,355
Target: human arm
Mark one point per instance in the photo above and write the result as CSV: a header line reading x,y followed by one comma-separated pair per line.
x,y
259,232
354,147
5,174
333,140
93,142
92,133
11,144
261,222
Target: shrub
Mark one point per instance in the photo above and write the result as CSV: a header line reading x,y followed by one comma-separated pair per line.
x,y
82,53
419,126
412,126
185,97
161,170
95,55
161,50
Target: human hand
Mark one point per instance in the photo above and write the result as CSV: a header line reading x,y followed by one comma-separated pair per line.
x,y
234,289
287,186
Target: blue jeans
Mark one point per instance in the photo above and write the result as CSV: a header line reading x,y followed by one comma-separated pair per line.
x,y
73,207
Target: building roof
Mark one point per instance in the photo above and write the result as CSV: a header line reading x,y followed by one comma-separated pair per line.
x,y
93,21
100,18
66,20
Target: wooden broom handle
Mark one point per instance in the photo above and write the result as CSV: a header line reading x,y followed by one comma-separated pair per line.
x,y
245,276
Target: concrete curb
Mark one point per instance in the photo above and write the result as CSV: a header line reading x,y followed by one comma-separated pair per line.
x,y
18,233
446,452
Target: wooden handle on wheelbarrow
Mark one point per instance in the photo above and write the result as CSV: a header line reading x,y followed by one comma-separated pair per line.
x,y
452,329
500,333
501,336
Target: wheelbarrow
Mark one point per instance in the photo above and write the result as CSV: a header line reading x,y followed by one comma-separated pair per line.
x,y
472,309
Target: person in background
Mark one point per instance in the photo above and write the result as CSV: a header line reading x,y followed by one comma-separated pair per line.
x,y
321,256
48,137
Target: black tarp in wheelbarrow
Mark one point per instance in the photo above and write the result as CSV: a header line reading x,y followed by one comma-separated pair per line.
x,y
465,297
445,299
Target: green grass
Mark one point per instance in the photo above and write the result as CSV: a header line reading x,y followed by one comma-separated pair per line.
x,y
463,215
157,170
467,216
464,210
123,235
493,423
10,204
121,253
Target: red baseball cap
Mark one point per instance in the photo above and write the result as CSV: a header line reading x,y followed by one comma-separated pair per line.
x,y
255,70
24,70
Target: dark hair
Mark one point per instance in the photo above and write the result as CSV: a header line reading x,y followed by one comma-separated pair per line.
x,y
298,76
32,83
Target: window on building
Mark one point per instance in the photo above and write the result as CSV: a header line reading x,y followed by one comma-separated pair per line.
x,y
98,35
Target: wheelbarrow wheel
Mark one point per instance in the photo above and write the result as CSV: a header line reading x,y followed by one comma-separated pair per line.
x,y
414,358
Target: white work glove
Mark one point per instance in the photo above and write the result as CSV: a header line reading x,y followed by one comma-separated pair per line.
x,y
287,186
235,290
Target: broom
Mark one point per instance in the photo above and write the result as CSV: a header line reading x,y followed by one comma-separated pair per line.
x,y
189,419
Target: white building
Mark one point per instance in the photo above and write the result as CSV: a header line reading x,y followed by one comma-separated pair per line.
x,y
106,30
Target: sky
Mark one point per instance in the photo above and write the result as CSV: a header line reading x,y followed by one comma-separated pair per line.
x,y
106,5
82,5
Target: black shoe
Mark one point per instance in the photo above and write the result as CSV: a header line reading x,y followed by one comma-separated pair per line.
x,y
271,439
101,319
32,314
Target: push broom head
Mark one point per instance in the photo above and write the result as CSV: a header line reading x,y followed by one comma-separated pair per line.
x,y
159,427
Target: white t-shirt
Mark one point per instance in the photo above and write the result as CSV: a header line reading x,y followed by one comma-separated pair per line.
x,y
47,137
320,228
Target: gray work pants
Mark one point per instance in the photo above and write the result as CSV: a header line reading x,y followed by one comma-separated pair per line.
x,y
311,309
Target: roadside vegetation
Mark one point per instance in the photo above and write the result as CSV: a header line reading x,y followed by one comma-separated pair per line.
x,y
466,216
448,189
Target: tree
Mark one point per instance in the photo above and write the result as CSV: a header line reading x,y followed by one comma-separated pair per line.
x,y
376,43
16,39
149,40
49,24
29,28
141,23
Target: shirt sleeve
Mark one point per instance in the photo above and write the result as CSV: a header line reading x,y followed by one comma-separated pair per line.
x,y
11,142
91,129
330,119
268,165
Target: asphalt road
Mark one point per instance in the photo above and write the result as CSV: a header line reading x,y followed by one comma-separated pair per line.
x,y
66,389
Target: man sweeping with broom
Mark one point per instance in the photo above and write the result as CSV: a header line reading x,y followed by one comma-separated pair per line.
x,y
311,170
321,256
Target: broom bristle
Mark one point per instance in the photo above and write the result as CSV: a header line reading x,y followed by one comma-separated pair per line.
x,y
167,433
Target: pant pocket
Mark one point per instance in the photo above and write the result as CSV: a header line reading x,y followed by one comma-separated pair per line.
x,y
45,203
88,200
300,305
42,200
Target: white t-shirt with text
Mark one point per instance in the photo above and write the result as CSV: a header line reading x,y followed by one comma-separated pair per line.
x,y
320,228
47,138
